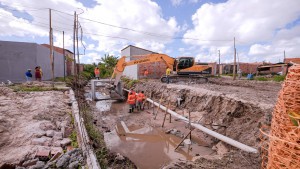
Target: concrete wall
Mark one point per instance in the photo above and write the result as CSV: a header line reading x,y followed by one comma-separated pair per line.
x,y
43,60
133,71
129,71
17,57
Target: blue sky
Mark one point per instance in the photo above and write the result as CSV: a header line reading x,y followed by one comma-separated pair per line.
x,y
198,28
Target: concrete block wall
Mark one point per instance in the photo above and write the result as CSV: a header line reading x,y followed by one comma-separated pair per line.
x,y
43,60
17,57
133,71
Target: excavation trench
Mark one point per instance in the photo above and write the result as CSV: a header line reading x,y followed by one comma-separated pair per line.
x,y
142,139
148,145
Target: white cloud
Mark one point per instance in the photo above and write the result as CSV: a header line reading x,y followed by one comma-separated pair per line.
x,y
181,49
142,15
11,25
234,18
176,2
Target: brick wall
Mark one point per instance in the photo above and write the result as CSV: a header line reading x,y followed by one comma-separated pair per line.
x,y
249,68
213,67
69,68
152,71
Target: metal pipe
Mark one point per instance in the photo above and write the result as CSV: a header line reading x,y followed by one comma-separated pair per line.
x,y
208,131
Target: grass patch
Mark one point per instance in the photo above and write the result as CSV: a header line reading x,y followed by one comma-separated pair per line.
x,y
128,83
36,88
261,79
61,79
276,78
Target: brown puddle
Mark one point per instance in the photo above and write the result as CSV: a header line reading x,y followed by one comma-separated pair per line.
x,y
150,147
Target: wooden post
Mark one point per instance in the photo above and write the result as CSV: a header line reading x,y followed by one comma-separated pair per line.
x,y
166,112
74,66
219,62
158,106
51,43
78,61
189,119
64,55
183,139
234,62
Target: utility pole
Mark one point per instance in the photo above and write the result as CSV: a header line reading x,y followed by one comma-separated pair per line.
x,y
234,62
219,62
50,46
77,45
283,56
64,55
74,67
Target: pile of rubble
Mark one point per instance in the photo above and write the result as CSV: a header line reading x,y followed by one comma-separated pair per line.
x,y
34,125
71,159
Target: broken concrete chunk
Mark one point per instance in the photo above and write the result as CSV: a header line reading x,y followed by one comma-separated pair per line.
x,y
39,133
63,161
50,133
119,157
55,150
56,143
47,126
58,135
38,165
43,141
30,162
65,141
73,165
20,167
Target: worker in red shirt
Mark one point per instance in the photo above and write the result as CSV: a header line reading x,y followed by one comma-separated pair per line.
x,y
131,102
97,73
140,98
146,73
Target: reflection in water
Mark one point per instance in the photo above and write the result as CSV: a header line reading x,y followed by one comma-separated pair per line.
x,y
151,148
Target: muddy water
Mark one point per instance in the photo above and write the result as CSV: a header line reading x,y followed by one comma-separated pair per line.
x,y
147,147
150,147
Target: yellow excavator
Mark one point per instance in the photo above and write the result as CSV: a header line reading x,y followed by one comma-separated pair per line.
x,y
185,68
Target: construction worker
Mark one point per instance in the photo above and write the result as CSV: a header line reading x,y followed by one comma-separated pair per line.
x,y
131,102
97,73
140,98
131,90
146,73
168,72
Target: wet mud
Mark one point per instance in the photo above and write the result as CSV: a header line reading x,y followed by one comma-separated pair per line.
x,y
144,143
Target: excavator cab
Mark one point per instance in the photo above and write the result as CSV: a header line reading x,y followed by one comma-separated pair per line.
x,y
185,62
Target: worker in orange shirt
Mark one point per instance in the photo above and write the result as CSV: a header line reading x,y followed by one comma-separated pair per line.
x,y
131,102
140,98
146,73
97,73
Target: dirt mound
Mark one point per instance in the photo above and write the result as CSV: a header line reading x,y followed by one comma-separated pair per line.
x,y
5,90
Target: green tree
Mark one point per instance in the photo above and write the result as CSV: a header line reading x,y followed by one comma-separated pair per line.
x,y
106,67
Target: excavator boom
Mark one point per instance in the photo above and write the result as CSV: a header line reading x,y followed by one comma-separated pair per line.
x,y
183,65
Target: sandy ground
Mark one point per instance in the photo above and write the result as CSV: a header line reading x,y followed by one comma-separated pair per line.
x,y
25,116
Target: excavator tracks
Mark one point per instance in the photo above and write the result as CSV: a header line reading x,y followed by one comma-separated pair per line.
x,y
184,78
